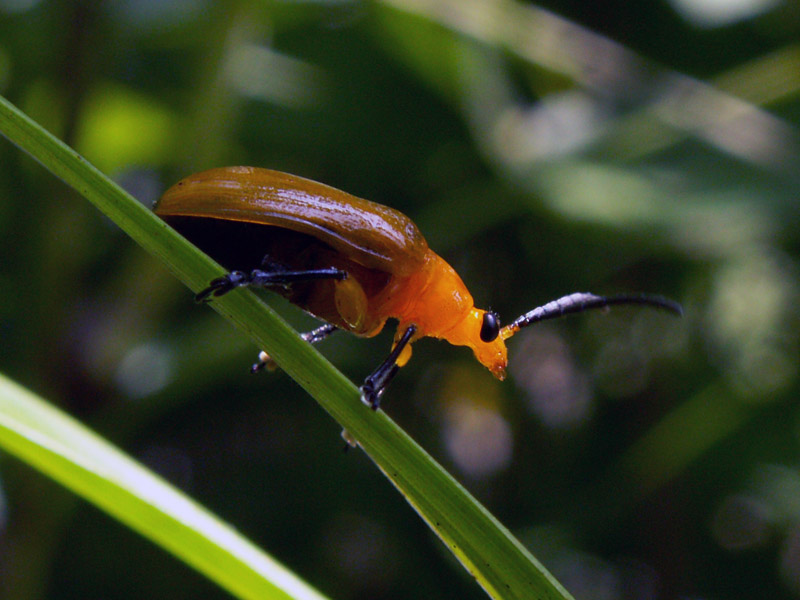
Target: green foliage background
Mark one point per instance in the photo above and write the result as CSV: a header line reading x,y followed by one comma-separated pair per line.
x,y
542,150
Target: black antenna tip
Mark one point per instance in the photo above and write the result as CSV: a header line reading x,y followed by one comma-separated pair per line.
x,y
647,300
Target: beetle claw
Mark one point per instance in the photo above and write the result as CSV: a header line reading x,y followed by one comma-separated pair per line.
x,y
222,285
370,396
212,290
265,361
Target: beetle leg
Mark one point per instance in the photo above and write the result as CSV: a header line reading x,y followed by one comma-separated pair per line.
x,y
260,278
377,382
312,337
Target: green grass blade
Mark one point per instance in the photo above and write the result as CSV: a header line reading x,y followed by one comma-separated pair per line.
x,y
57,445
490,553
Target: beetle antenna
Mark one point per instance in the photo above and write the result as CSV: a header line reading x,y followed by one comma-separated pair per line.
x,y
581,301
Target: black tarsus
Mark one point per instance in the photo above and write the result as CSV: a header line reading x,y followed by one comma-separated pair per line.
x,y
374,385
271,274
320,333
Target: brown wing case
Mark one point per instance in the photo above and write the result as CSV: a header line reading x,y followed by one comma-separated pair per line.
x,y
371,234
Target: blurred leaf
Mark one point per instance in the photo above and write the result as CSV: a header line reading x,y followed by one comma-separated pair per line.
x,y
51,441
120,128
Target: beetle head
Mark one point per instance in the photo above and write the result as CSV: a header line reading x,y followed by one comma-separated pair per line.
x,y
480,331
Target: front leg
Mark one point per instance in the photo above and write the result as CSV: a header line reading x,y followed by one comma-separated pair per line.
x,y
378,381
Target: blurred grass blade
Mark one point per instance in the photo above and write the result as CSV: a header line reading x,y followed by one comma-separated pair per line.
x,y
488,551
62,448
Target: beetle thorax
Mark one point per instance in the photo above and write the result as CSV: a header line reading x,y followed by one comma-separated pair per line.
x,y
436,300
433,298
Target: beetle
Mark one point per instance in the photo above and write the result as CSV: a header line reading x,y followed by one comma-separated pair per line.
x,y
350,262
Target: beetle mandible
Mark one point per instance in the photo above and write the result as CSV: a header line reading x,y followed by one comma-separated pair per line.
x,y
350,262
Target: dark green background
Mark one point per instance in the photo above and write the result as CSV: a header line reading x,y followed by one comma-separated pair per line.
x,y
606,147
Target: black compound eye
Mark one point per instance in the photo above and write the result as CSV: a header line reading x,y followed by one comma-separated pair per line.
x,y
490,328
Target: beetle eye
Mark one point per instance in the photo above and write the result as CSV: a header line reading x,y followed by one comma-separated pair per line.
x,y
490,328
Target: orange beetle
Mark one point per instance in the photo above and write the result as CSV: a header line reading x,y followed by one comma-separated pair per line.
x,y
347,261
